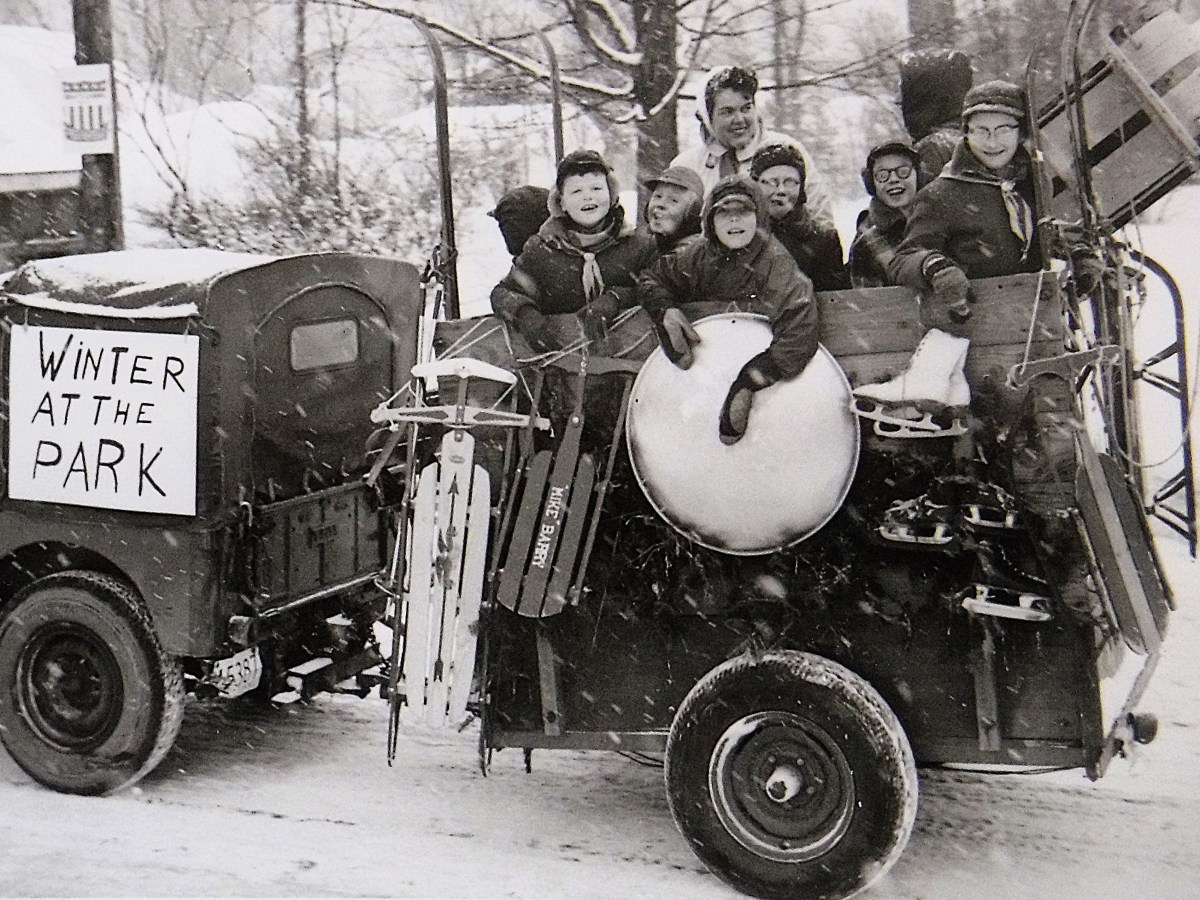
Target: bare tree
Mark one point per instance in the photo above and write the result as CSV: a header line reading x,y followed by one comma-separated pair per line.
x,y
932,23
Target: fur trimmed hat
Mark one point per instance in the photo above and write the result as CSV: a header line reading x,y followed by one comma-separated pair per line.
x,y
995,96
580,162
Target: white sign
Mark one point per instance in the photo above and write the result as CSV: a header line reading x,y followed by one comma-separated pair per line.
x,y
87,108
103,418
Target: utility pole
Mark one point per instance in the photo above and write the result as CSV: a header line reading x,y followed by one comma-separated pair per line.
x,y
100,188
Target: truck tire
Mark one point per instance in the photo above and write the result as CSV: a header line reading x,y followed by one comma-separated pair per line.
x,y
791,777
89,701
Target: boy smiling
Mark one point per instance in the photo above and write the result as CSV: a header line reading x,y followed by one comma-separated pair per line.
x,y
583,260
977,218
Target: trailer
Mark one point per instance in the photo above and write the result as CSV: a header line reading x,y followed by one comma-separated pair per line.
x,y
753,616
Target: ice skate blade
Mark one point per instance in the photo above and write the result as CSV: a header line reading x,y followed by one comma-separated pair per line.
x,y
989,517
936,535
1026,607
894,424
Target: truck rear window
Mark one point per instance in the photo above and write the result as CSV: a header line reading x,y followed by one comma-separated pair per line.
x,y
320,345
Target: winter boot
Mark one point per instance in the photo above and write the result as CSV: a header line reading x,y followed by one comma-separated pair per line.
x,y
1005,591
921,520
924,400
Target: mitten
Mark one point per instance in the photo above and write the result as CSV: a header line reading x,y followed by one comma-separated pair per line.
x,y
950,286
677,337
758,373
532,324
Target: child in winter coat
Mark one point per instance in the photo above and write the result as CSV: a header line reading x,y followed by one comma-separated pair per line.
x,y
890,177
977,218
813,242
737,261
583,260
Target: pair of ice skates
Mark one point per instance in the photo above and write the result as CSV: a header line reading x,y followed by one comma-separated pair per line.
x,y
931,399
988,513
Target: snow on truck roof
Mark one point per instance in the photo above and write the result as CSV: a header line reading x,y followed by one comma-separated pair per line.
x,y
128,284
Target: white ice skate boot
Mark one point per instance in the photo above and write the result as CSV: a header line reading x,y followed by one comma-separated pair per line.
x,y
924,400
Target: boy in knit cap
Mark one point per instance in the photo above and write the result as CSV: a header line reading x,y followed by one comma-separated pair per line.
x,y
813,242
737,261
891,179
583,260
673,208
977,218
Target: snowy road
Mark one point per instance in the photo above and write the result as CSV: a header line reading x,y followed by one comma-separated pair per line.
x,y
299,801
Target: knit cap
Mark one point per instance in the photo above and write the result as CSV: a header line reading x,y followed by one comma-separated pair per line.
x,y
995,96
777,155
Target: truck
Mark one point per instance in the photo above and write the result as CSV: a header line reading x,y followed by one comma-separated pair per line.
x,y
184,509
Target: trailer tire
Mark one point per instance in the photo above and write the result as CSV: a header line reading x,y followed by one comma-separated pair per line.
x,y
791,777
89,700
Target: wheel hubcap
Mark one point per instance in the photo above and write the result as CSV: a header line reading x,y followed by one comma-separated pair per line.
x,y
781,786
69,687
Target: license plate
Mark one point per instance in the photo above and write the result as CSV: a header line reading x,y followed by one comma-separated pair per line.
x,y
238,674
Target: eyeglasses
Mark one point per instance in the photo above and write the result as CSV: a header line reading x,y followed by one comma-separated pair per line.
x,y
999,131
788,184
882,176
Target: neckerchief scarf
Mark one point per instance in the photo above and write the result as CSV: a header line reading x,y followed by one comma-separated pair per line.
x,y
587,246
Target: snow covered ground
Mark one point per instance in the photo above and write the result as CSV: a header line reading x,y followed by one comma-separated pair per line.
x,y
299,801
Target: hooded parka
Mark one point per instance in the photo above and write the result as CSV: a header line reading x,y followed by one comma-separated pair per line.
x,y
761,277
712,161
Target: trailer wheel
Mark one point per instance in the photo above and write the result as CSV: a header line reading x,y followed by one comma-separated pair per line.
x,y
89,701
791,777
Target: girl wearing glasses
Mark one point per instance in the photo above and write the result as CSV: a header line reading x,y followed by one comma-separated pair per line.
x,y
890,177
977,218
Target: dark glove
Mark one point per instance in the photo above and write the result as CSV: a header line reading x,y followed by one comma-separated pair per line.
x,y
1087,270
758,373
535,329
596,316
950,287
677,337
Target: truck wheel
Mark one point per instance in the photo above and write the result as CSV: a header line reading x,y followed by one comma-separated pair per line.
x,y
89,702
791,777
